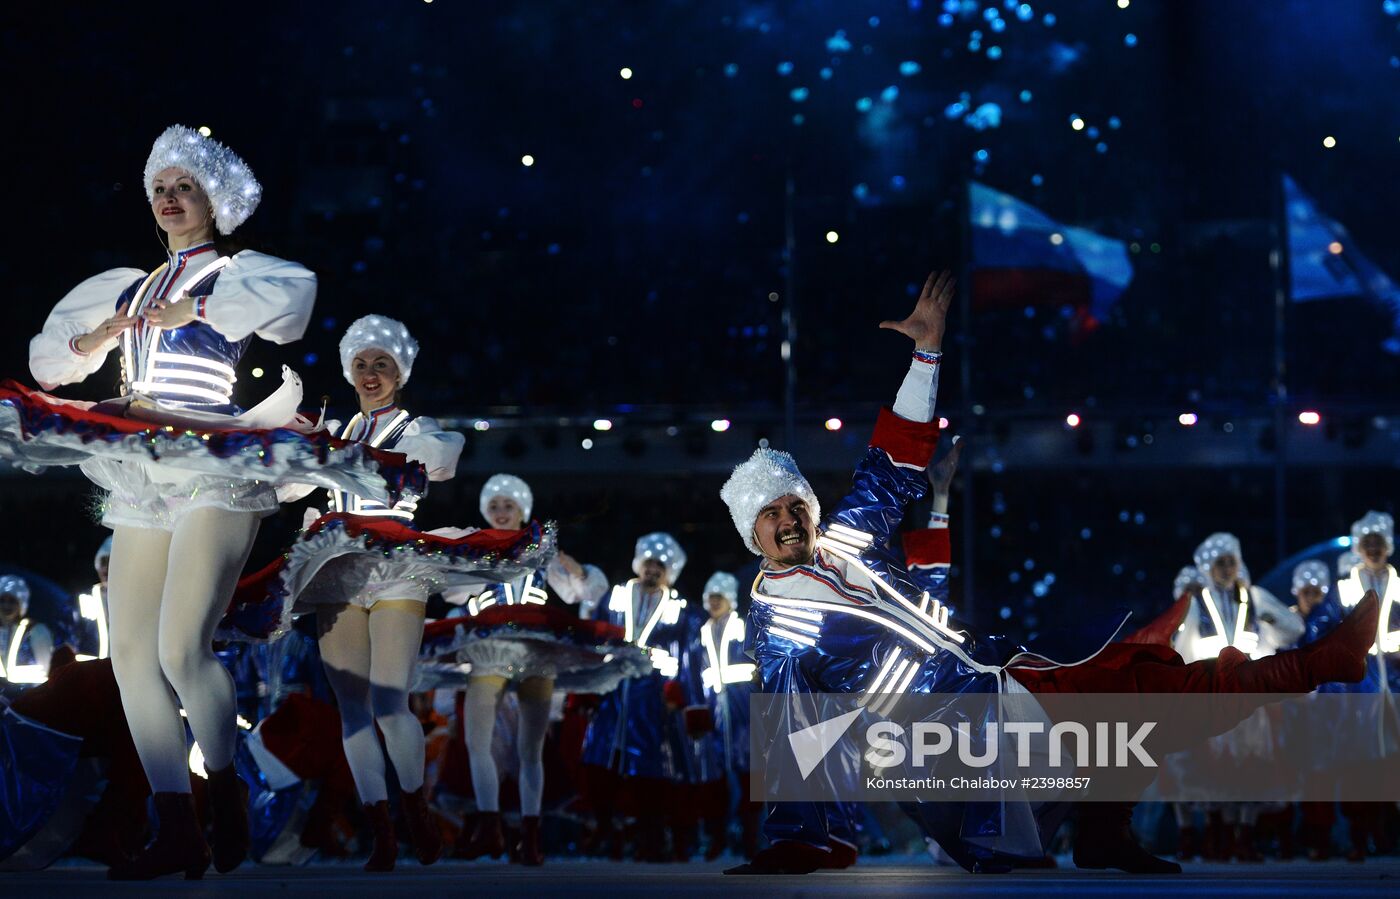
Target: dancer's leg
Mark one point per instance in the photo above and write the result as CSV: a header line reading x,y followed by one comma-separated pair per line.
x,y
136,581
345,653
207,553
535,694
483,693
395,634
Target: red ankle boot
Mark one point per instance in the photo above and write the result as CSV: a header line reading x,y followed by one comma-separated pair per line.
x,y
179,844
427,840
1338,657
487,838
386,844
529,850
228,798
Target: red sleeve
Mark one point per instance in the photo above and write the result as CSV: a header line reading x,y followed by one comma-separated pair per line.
x,y
674,693
909,443
929,546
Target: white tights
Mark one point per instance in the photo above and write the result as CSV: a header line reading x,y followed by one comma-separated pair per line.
x,y
369,657
480,708
166,594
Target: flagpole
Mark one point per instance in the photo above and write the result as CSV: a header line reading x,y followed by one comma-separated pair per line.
x,y
1283,280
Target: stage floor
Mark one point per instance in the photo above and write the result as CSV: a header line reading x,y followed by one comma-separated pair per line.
x,y
879,877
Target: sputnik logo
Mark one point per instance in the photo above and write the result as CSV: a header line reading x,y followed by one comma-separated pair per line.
x,y
811,744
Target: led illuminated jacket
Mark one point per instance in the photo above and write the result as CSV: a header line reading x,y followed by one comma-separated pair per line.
x,y
1249,618
632,732
533,590
1383,666
192,366
26,647
421,439
721,676
854,621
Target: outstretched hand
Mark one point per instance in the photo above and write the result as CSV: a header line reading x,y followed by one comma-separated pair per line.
x,y
925,325
940,476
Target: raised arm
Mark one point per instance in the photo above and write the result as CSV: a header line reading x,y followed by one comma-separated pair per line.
x,y
928,552
891,474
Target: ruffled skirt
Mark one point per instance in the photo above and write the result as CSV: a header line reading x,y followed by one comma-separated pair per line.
x,y
360,560
521,641
157,463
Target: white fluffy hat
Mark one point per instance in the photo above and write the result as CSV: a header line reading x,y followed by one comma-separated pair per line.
x,y
103,552
18,587
723,583
1312,573
381,333
1213,547
663,548
507,485
1374,522
233,191
767,475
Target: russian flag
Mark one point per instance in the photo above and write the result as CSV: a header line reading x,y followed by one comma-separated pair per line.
x,y
1324,263
1021,256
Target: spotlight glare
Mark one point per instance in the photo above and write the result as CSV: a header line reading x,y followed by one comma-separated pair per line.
x,y
943,424
1309,417
602,424
1329,141
1187,419
626,73
832,237
1335,248
205,130
587,443
1123,4
481,425
527,160
1076,123
257,372
1073,419
833,424
719,425
1057,238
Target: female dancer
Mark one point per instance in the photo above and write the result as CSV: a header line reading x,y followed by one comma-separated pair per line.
x,y
368,574
501,656
184,524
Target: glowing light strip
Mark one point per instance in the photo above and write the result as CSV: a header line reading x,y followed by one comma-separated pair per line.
x,y
884,669
739,672
185,374
667,595
886,623
128,342
188,359
155,387
12,657
797,623
850,535
789,635
898,597
534,596
804,613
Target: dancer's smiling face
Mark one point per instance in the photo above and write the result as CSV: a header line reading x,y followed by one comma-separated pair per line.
x,y
785,531
505,513
376,377
181,206
653,574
